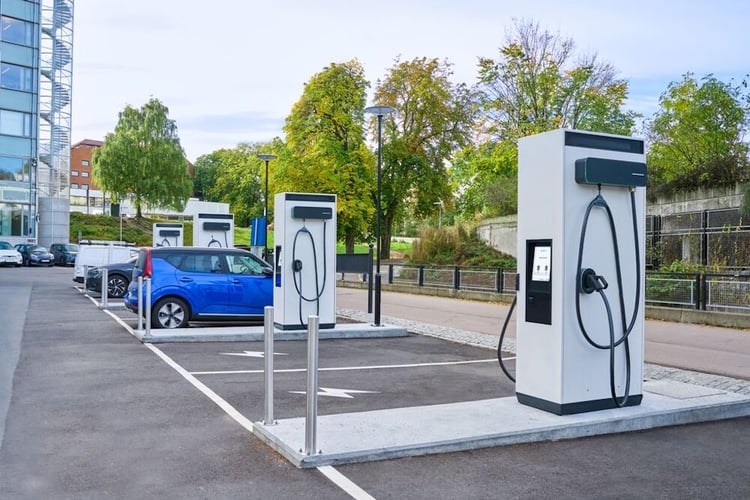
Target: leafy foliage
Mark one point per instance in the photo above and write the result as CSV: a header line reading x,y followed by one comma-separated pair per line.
x,y
235,176
535,85
697,136
433,119
143,158
456,245
325,150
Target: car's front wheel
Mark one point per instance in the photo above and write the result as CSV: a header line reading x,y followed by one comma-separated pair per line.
x,y
117,286
170,312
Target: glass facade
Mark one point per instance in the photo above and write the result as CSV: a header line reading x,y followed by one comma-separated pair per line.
x,y
19,97
36,40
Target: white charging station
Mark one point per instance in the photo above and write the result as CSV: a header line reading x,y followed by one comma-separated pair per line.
x,y
165,234
305,260
560,174
213,230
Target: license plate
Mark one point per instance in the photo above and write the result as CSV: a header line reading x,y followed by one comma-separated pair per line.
x,y
44,260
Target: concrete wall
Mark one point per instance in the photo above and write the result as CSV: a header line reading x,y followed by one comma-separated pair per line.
x,y
54,221
500,233
696,201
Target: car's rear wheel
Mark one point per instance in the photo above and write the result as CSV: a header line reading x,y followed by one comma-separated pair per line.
x,y
117,286
170,312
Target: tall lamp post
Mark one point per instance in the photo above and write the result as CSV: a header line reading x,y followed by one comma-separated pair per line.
x,y
266,158
378,111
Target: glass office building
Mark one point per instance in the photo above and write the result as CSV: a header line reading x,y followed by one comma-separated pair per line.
x,y
36,44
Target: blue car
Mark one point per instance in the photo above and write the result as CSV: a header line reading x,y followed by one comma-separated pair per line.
x,y
201,284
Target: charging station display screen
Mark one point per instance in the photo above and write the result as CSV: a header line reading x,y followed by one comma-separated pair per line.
x,y
541,264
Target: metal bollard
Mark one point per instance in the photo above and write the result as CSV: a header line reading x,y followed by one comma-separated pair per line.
x,y
105,288
140,303
268,364
148,307
85,273
311,425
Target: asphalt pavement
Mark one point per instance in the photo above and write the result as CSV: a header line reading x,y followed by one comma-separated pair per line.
x,y
90,412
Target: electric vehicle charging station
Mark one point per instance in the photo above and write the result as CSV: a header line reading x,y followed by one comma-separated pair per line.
x,y
167,234
581,217
213,230
304,260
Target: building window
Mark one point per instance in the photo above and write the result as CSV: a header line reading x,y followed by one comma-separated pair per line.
x,y
84,174
74,173
73,185
16,31
15,123
84,186
15,77
13,169
85,163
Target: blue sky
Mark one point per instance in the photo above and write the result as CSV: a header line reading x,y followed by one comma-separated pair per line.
x,y
230,70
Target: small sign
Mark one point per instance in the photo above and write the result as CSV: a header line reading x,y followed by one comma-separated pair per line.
x,y
542,264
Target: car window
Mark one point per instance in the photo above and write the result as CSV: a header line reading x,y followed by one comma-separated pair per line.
x,y
201,263
244,264
5,245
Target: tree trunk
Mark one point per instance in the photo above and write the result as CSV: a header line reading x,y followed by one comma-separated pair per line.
x,y
349,242
385,235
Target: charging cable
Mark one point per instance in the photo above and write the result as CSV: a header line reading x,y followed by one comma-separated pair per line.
x,y
589,282
297,270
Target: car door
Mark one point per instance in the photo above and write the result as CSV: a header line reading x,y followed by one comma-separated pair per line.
x,y
250,284
203,283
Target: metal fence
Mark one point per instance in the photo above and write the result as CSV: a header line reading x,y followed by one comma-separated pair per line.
x,y
729,292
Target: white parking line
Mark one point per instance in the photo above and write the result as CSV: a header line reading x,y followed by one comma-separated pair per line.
x,y
351,368
332,474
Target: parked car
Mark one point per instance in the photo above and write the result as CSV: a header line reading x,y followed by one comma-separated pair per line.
x,y
35,255
100,255
65,253
118,278
201,284
9,255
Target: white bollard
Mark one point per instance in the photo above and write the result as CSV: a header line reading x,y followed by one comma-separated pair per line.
x,y
311,421
268,365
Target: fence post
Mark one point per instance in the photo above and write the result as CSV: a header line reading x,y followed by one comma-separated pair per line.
x,y
698,292
420,276
457,277
390,274
704,292
499,276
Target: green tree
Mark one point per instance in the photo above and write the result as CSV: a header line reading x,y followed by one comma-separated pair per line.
x,y
143,158
240,181
325,150
697,136
536,84
433,119
206,171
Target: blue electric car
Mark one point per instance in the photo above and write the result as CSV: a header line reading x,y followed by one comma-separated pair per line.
x,y
201,284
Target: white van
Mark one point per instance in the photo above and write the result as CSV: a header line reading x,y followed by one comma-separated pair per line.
x,y
100,255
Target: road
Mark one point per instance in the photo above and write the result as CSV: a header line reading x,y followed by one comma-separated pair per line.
x,y
708,349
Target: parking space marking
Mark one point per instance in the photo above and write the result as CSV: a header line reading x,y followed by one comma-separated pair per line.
x,y
336,477
336,393
352,368
252,354
344,483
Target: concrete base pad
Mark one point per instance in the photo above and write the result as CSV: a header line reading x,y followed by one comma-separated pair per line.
x,y
255,333
422,430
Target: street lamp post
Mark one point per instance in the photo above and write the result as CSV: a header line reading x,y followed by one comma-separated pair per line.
x,y
266,158
379,111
